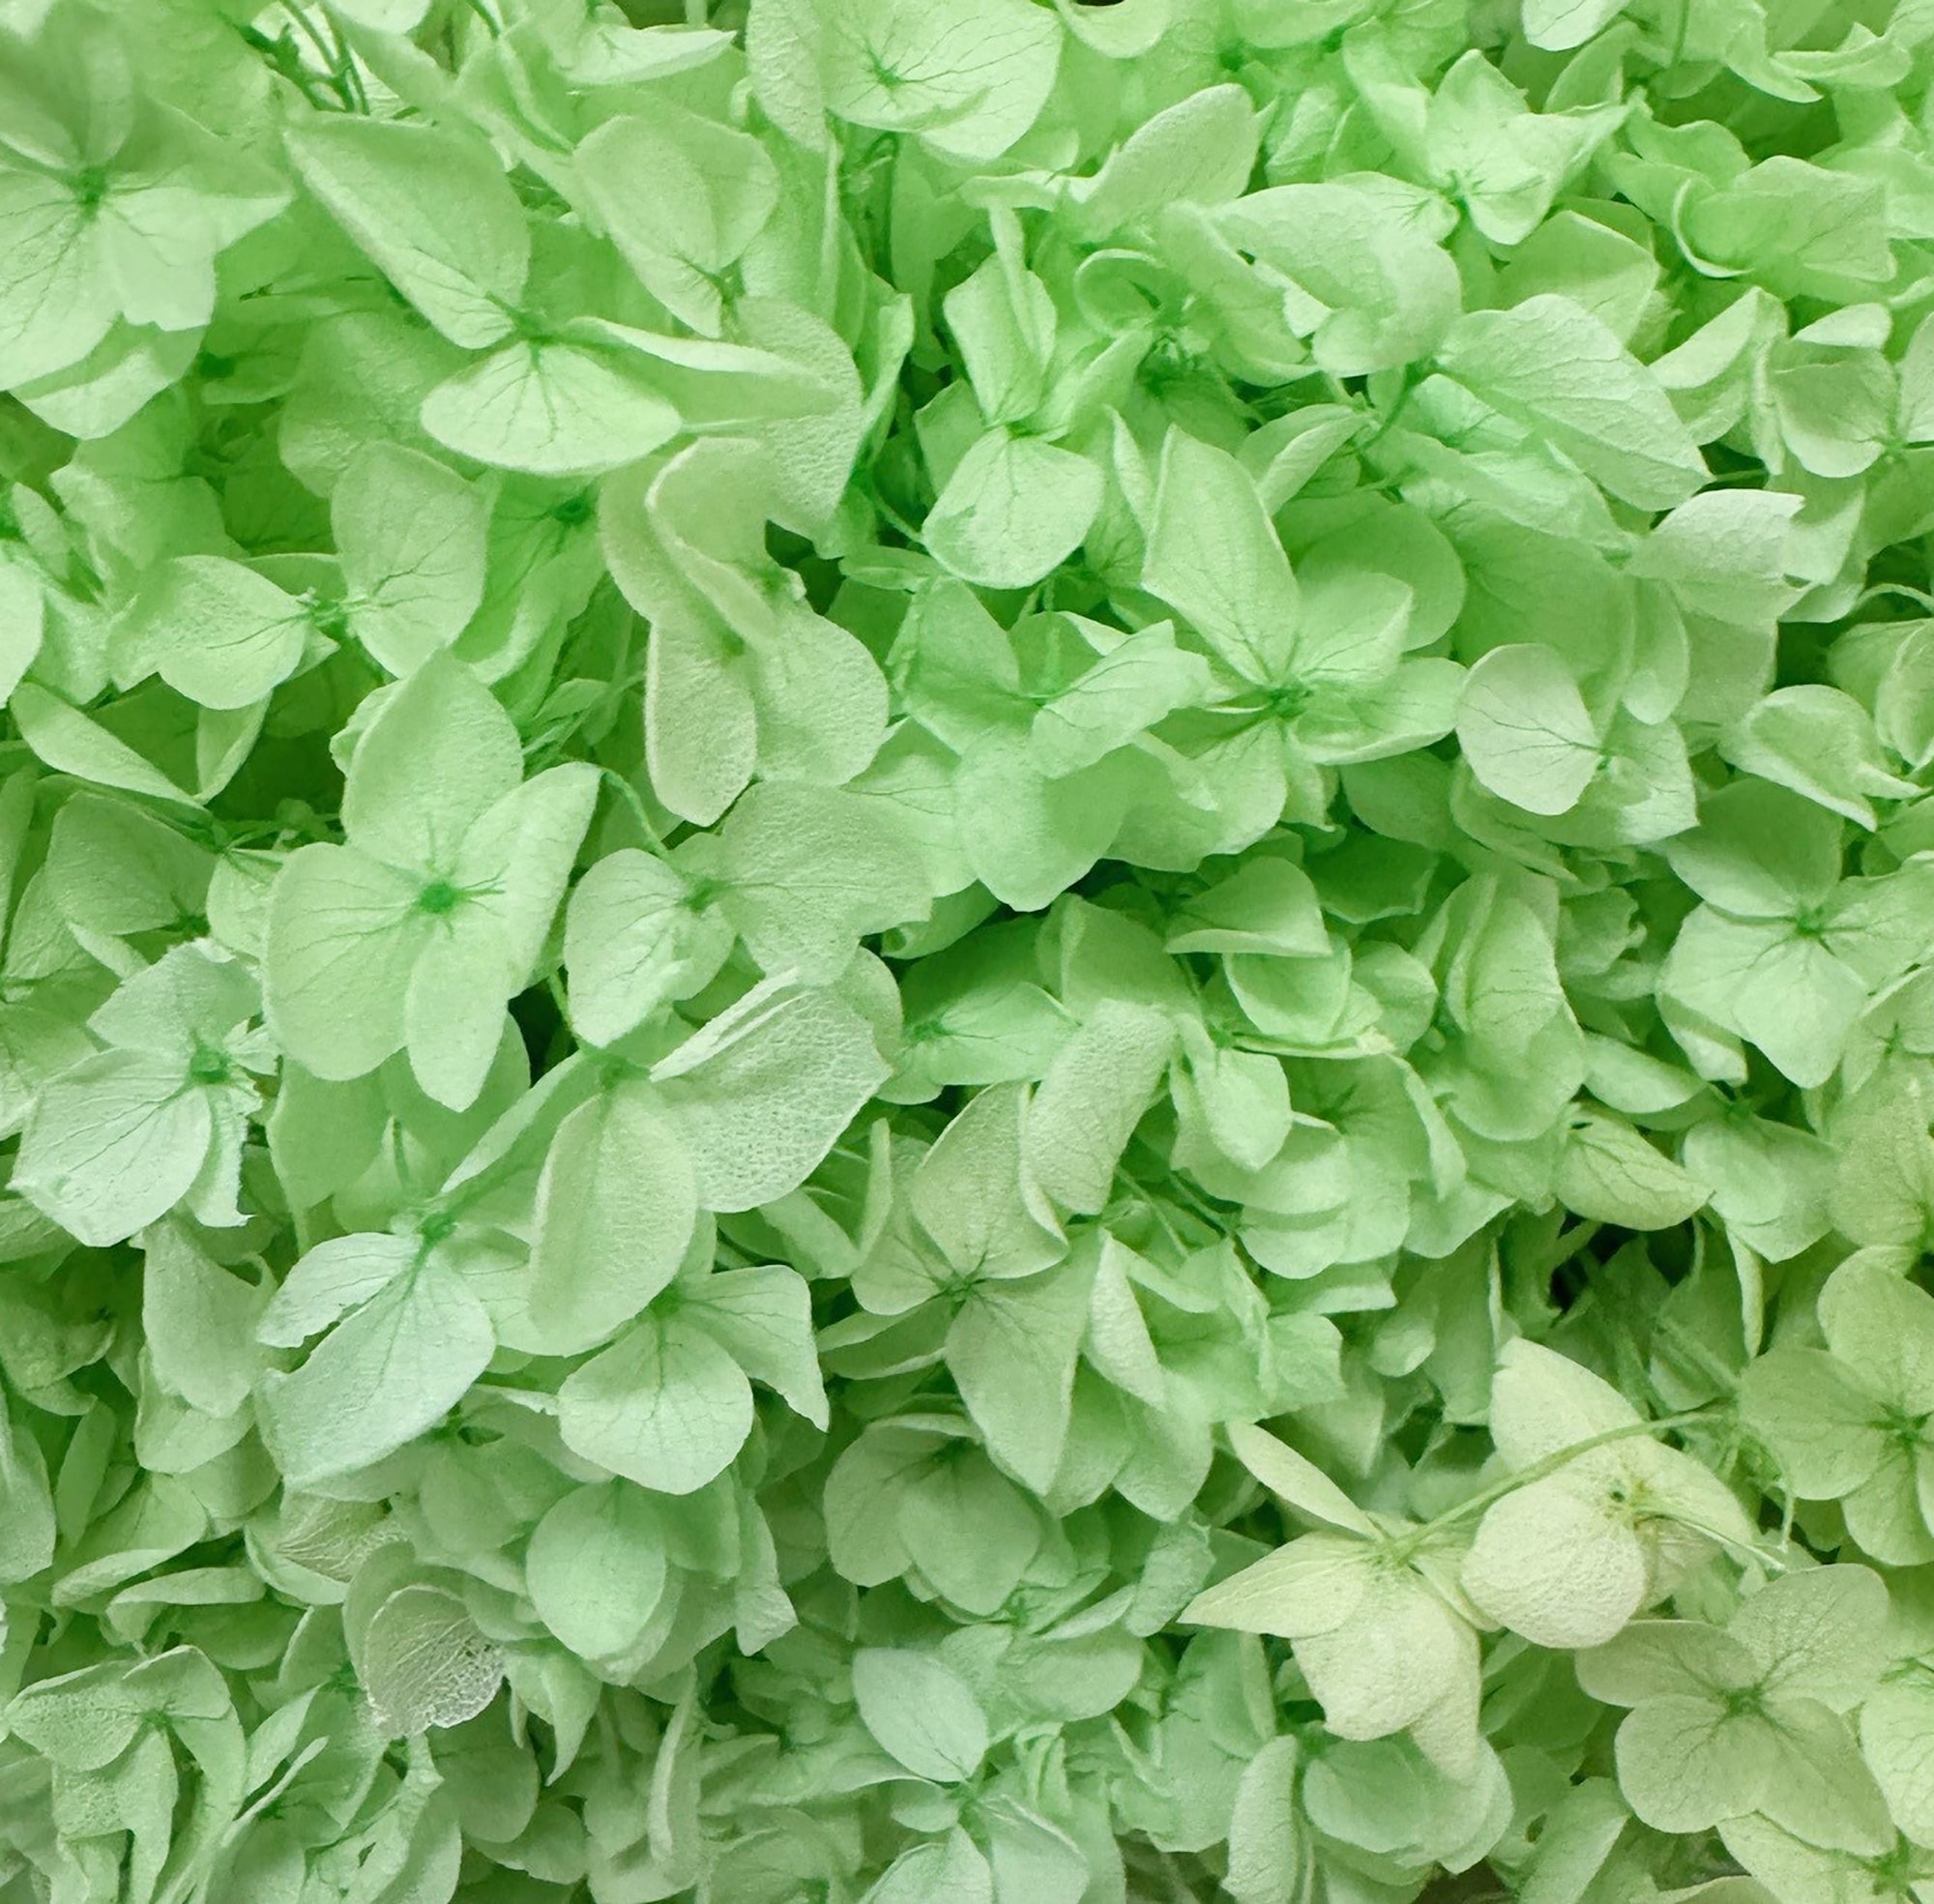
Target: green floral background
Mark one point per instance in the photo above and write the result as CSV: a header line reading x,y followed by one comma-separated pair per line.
x,y
966,953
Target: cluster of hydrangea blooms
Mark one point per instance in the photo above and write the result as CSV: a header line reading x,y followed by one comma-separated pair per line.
x,y
966,951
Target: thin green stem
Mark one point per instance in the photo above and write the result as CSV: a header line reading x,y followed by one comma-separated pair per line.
x,y
312,33
353,73
636,802
888,513
1720,1539
1419,1537
335,60
1567,1247
284,58
493,1176
1915,595
1689,1345
1387,421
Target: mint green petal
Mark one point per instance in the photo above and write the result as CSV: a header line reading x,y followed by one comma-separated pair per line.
x,y
1816,1417
439,753
665,1406
1684,1764
1880,1325
1824,1791
453,1005
113,1144
343,937
1887,1514
966,951
1013,508
378,1380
